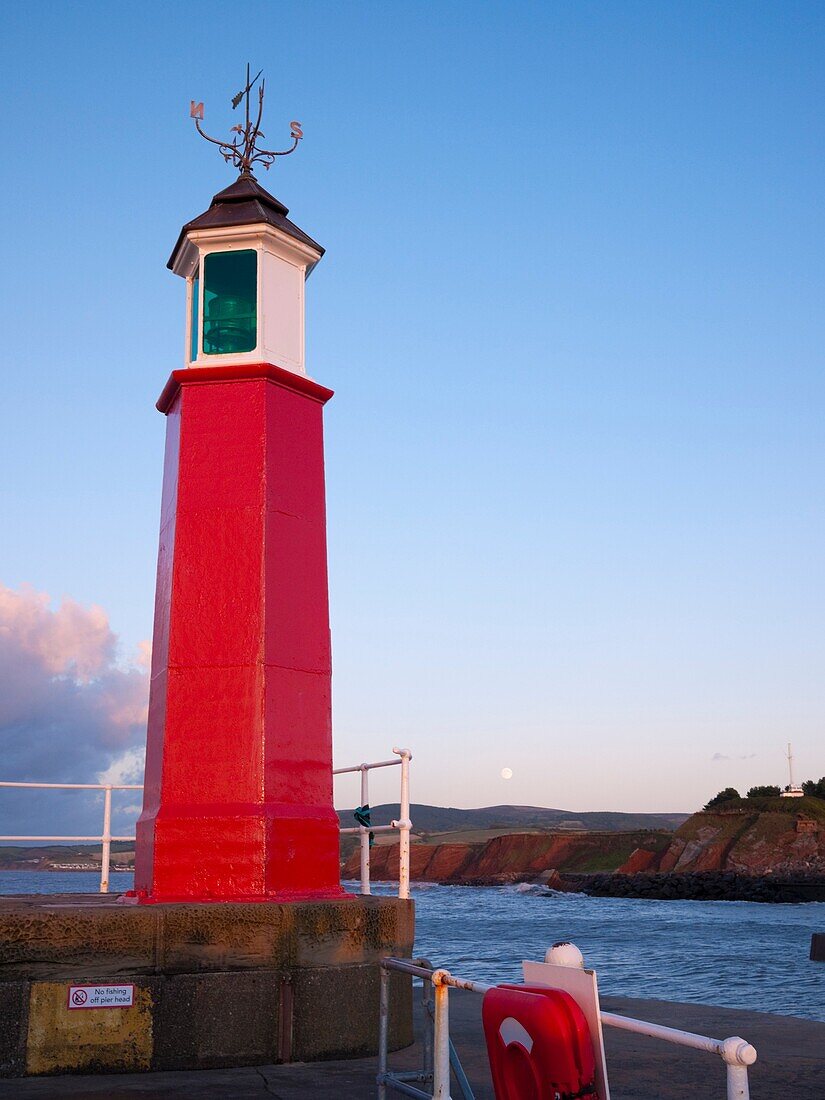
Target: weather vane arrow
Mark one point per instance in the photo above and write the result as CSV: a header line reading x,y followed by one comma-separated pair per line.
x,y
242,150
245,91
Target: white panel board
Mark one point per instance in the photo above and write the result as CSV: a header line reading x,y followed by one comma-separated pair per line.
x,y
583,988
282,312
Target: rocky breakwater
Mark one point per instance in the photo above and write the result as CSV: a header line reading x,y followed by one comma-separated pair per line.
x,y
696,886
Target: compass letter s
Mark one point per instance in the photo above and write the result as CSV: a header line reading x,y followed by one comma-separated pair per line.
x,y
295,130
195,109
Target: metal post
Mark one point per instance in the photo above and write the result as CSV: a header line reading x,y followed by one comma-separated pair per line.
x,y
404,825
383,1030
738,1088
738,1055
105,854
428,1004
441,1037
460,1075
365,833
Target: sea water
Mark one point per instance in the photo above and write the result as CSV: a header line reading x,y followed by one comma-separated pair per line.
x,y
735,954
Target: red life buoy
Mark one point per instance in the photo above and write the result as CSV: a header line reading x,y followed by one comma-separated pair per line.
x,y
538,1043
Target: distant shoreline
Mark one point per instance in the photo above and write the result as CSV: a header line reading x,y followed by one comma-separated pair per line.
x,y
57,869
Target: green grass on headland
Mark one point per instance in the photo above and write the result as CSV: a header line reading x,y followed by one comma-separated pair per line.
x,y
807,806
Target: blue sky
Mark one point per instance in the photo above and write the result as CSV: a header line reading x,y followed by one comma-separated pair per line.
x,y
572,311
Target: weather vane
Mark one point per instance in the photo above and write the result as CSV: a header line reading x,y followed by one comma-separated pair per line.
x,y
242,150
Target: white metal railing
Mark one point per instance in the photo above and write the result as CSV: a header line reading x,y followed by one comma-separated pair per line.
x,y
735,1052
402,826
439,1053
105,839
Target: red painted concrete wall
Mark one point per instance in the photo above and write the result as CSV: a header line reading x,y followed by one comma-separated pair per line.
x,y
238,794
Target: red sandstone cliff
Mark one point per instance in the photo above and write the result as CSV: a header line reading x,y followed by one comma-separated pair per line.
x,y
512,857
755,842
750,843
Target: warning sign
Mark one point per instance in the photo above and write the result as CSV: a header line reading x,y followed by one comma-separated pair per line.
x,y
101,996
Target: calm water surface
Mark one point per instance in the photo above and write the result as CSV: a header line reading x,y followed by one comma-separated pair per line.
x,y
733,953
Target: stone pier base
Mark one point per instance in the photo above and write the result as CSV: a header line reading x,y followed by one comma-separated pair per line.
x,y
215,985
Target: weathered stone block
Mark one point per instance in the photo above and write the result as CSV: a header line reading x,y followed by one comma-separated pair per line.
x,y
353,932
224,936
335,1012
61,1040
209,1020
14,1019
63,936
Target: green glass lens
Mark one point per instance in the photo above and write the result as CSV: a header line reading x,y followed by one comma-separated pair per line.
x,y
230,322
193,343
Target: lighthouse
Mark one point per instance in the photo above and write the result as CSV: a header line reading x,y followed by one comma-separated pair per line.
x,y
238,945
238,786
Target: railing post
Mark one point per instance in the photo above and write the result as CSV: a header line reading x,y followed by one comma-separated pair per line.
x,y
441,1037
428,1004
738,1055
738,1088
383,1030
365,833
106,851
404,826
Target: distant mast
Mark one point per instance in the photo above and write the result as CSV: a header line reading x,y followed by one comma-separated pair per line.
x,y
791,791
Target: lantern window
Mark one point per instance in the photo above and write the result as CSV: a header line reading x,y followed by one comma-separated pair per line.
x,y
230,294
193,320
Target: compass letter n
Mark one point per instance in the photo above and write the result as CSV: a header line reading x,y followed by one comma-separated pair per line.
x,y
195,109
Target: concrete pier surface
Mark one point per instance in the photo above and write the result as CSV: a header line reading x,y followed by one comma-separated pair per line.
x,y
791,1063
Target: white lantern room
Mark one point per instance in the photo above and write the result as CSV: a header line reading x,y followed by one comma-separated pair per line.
x,y
245,265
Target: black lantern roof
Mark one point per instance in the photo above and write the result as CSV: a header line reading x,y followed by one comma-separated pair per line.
x,y
244,202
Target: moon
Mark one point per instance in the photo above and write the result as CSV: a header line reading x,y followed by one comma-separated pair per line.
x,y
506,773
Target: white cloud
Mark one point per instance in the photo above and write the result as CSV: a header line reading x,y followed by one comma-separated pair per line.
x,y
126,768
132,811
71,641
143,658
68,711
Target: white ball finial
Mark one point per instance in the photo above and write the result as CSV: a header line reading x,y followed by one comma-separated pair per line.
x,y
565,954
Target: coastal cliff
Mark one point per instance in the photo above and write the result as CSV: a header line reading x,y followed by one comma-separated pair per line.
x,y
770,837
746,842
512,858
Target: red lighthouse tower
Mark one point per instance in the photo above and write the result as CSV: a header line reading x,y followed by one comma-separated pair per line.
x,y
246,951
238,787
